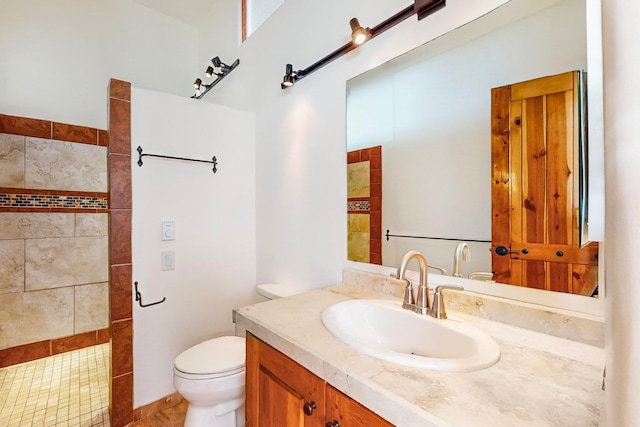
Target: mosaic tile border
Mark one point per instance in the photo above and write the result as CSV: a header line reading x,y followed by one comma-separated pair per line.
x,y
358,206
53,201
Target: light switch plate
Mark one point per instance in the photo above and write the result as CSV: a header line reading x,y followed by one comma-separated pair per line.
x,y
168,230
168,260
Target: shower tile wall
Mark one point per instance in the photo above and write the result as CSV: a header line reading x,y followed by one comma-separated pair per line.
x,y
54,257
120,208
364,205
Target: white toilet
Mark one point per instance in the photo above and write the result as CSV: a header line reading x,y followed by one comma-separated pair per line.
x,y
211,375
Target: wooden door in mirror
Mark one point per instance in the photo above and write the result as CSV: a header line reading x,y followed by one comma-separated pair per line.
x,y
535,195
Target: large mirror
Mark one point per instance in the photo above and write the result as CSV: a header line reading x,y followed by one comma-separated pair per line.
x,y
419,132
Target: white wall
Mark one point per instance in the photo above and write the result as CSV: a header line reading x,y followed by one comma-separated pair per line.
x,y
435,127
214,216
622,109
300,146
57,57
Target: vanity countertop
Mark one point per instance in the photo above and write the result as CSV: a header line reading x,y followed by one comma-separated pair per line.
x,y
540,380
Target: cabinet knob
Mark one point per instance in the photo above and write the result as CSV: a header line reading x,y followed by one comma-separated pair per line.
x,y
332,424
502,251
308,408
560,253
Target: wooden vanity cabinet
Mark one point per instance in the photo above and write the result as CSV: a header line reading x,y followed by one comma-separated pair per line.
x,y
349,413
281,393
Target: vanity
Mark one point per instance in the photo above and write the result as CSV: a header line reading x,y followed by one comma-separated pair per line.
x,y
549,372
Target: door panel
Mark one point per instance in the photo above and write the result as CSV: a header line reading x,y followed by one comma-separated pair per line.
x,y
349,413
535,187
532,172
500,182
534,274
278,389
286,412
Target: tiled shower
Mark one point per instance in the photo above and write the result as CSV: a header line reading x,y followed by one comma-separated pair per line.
x,y
54,268
65,243
364,205
53,238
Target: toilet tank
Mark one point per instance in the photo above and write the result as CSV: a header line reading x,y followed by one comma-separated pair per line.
x,y
269,291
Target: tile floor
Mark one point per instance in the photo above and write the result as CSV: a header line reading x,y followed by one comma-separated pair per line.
x,y
66,390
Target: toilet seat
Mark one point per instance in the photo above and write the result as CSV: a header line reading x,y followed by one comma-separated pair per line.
x,y
215,358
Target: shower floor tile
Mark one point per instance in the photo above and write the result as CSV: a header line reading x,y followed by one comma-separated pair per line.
x,y
65,390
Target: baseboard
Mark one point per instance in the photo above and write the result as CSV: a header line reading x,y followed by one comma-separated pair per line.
x,y
153,408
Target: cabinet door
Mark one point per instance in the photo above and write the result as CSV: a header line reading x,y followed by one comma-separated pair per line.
x,y
281,393
349,413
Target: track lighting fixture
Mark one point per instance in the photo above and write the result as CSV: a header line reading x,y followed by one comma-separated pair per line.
x,y
288,77
219,69
359,35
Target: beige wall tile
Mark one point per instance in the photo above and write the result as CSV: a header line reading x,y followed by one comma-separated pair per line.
x,y
359,222
58,165
53,263
11,266
358,246
93,224
14,225
358,181
28,317
91,307
11,160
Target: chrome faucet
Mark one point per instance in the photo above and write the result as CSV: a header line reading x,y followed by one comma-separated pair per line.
x,y
419,304
462,250
437,307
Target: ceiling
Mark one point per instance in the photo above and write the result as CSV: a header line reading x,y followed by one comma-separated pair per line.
x,y
188,11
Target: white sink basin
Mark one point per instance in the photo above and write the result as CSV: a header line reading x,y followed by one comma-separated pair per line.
x,y
383,329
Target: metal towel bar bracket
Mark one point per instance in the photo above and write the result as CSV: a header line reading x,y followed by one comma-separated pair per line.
x,y
139,298
213,160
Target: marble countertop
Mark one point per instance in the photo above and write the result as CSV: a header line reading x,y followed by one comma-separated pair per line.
x,y
540,380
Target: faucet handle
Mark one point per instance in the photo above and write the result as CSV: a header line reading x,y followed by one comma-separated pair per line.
x,y
437,307
408,302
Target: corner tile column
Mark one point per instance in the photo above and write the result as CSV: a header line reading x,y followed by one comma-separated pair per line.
x,y
120,203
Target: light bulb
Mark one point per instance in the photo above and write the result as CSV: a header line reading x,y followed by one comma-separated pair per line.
x,y
358,34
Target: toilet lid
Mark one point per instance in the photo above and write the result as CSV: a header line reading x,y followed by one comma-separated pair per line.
x,y
219,355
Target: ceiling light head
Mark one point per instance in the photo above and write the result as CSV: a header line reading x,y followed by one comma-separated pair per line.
x,y
359,35
209,71
216,62
197,83
288,80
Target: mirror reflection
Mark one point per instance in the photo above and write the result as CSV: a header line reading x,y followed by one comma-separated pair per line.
x,y
419,142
